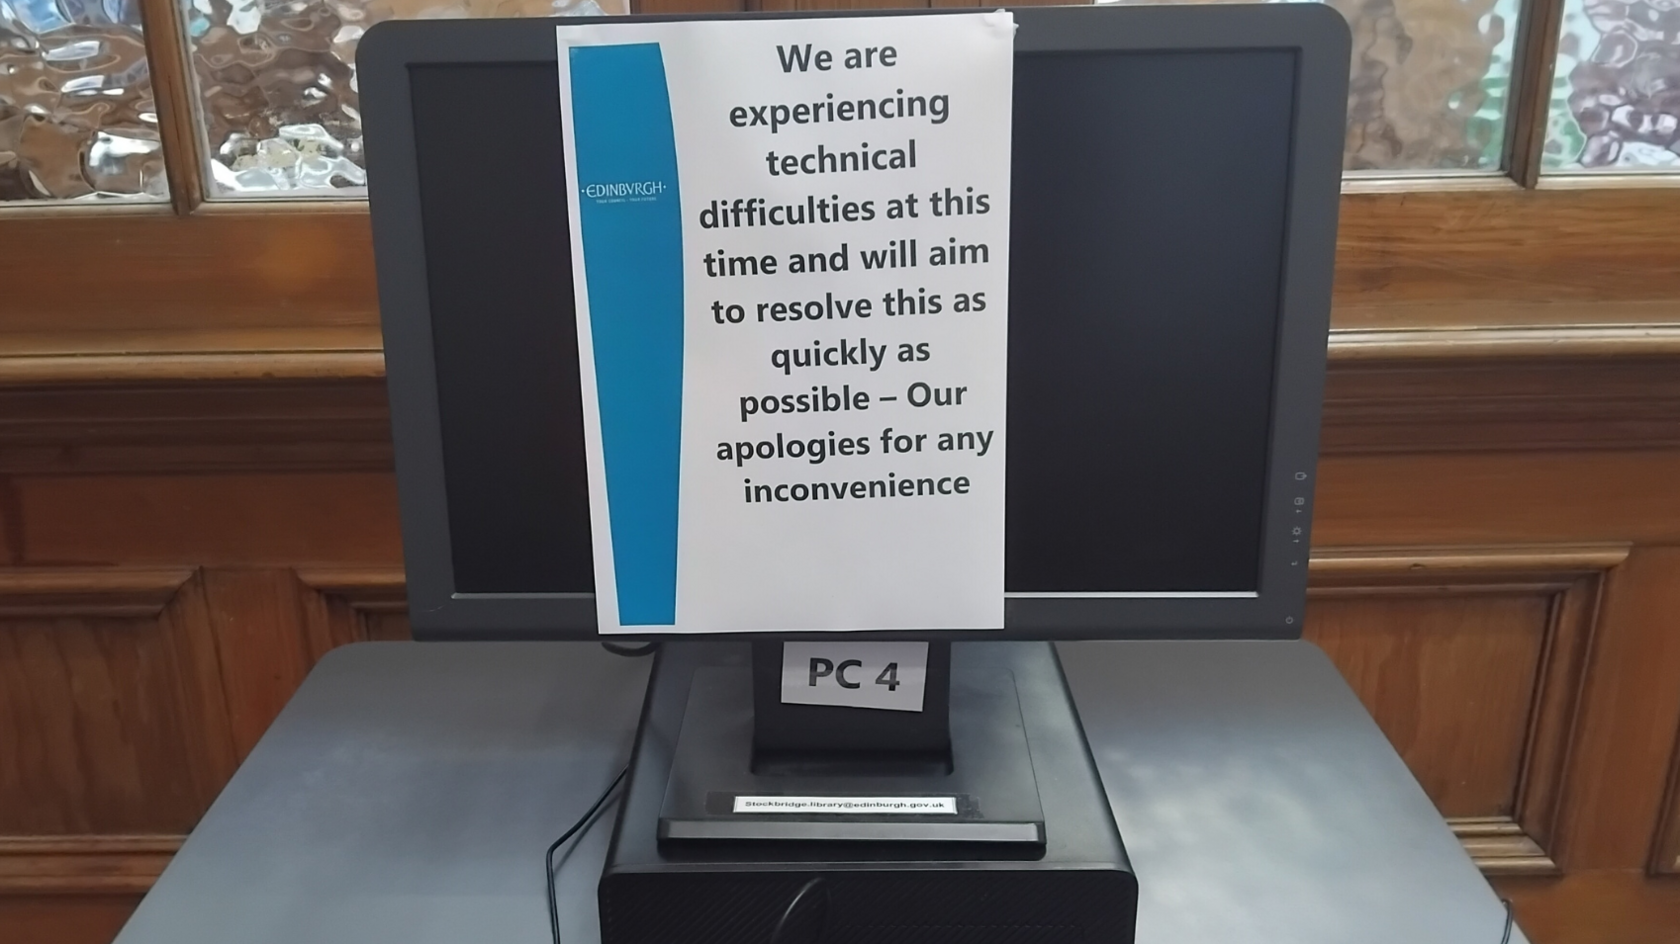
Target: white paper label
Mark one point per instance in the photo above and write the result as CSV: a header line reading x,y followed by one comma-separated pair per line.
x,y
791,265
886,675
915,806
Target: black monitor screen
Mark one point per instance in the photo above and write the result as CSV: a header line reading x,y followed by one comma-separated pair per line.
x,y
1147,246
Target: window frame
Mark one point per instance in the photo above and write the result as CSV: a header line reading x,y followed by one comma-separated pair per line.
x,y
294,278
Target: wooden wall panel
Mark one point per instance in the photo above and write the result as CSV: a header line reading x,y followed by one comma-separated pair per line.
x,y
1596,907
1438,498
59,919
260,267
114,726
86,865
1501,589
118,411
1499,390
111,710
1616,789
1450,681
1665,858
358,604
1665,855
1471,659
93,746
264,642
253,519
340,424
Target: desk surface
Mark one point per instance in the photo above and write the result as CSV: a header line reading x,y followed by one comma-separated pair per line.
x,y
407,792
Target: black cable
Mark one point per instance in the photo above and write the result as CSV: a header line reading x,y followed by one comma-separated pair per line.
x,y
620,649
617,649
548,859
1510,919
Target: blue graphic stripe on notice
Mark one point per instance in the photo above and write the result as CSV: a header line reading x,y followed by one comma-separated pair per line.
x,y
632,250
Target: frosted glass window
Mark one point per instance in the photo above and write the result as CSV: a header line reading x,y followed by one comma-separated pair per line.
x,y
1616,89
276,85
76,115
1430,84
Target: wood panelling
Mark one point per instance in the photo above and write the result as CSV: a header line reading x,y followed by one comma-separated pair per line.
x,y
71,593
102,357
1424,667
1630,713
1665,856
212,425
295,267
264,644
1476,498
357,604
112,724
1507,244
240,519
83,865
300,265
274,624
127,695
1471,660
1597,907
1497,574
1389,392
1436,390
63,919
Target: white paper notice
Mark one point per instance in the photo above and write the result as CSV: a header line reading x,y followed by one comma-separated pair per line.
x,y
790,243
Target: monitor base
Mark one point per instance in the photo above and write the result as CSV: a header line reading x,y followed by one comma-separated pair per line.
x,y
983,790
1077,884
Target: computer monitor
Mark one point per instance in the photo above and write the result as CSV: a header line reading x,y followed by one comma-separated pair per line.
x,y
1173,216
1175,184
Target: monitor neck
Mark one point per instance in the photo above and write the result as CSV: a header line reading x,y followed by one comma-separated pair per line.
x,y
839,740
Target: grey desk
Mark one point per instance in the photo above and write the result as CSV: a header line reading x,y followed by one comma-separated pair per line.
x,y
407,793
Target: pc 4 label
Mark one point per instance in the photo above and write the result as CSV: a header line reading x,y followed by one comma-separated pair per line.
x,y
886,675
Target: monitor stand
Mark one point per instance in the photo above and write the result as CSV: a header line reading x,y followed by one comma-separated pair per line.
x,y
749,768
1031,856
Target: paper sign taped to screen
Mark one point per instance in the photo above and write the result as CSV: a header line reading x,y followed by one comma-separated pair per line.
x,y
790,245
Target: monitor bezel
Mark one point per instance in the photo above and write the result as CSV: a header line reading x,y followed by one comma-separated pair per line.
x,y
1319,39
